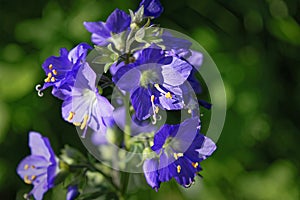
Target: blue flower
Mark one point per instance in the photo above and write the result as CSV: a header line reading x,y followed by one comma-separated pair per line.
x,y
179,48
180,149
72,192
61,71
153,81
41,167
85,107
152,8
150,168
117,22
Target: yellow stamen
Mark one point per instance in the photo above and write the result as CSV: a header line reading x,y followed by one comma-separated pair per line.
x,y
77,123
71,115
53,79
47,80
32,166
156,85
156,109
54,72
33,177
178,169
178,155
27,180
26,167
175,156
152,98
168,95
83,125
50,67
195,165
189,111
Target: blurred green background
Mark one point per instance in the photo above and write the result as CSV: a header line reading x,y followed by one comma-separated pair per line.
x,y
255,44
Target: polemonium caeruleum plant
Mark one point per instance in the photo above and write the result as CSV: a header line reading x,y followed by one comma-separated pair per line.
x,y
119,94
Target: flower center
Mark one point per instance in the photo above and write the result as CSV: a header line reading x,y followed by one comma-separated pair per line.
x,y
51,75
167,142
88,96
147,77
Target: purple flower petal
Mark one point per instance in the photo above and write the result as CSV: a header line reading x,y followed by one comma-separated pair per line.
x,y
162,135
86,78
194,83
141,103
40,145
104,108
171,103
167,169
39,190
72,192
79,53
173,43
127,78
196,59
185,171
118,21
61,71
207,148
177,72
150,168
40,166
152,8
99,31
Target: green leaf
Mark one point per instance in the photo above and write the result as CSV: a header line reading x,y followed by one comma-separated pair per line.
x,y
61,177
140,34
94,193
103,59
71,155
104,50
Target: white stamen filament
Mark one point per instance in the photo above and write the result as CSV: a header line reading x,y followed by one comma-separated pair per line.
x,y
155,110
38,89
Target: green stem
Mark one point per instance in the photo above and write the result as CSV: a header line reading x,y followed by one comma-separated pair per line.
x,y
124,182
95,169
127,140
127,128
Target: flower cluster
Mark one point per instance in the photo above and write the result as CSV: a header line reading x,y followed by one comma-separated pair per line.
x,y
133,62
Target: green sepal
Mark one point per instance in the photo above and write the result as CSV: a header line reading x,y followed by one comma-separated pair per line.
x,y
107,56
148,153
136,18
